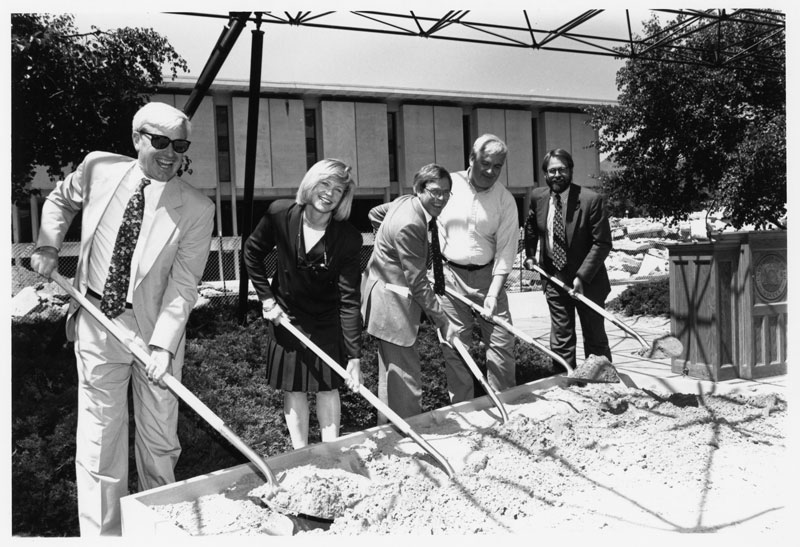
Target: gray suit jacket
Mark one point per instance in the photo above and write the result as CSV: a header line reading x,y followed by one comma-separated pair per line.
x,y
396,288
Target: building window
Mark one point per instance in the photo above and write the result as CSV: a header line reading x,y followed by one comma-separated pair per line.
x,y
223,144
391,125
311,137
535,144
467,139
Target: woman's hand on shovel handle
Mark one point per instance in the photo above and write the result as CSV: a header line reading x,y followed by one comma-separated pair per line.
x,y
354,378
271,311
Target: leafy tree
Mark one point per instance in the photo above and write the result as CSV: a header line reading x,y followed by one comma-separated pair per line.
x,y
689,137
75,92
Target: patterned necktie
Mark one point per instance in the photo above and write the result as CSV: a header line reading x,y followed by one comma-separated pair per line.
x,y
559,235
115,291
438,271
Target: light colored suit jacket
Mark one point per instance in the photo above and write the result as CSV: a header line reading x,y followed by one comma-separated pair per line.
x,y
396,288
172,264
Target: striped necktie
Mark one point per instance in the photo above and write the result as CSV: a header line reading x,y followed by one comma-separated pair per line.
x,y
559,235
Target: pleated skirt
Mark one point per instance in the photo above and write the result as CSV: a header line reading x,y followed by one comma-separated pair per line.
x,y
292,367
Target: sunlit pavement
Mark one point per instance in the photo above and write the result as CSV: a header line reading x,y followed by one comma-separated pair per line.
x,y
530,314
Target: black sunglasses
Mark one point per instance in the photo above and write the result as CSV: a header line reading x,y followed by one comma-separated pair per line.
x,y
160,142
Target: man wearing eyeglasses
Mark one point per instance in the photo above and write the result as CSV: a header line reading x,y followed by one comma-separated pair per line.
x,y
572,225
145,237
479,236
397,289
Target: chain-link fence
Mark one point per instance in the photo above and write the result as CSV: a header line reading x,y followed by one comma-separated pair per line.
x,y
220,281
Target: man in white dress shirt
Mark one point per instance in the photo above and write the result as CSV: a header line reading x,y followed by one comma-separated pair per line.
x,y
479,235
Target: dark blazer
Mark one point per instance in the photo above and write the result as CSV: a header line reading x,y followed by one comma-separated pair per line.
x,y
396,286
588,237
325,302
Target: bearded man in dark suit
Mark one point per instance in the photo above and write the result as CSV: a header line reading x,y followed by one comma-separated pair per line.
x,y
587,243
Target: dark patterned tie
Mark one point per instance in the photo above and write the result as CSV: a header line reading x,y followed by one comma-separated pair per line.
x,y
436,252
115,291
559,235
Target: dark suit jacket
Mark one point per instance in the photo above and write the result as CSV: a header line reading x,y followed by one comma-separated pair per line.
x,y
396,287
324,303
588,237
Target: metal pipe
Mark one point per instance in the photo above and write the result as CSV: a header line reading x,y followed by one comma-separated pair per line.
x,y
225,43
250,159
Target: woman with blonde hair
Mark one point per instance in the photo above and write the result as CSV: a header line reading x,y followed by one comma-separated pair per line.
x,y
317,286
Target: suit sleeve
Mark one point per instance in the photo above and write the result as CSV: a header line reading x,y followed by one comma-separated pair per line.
x,y
185,274
531,231
601,241
60,208
411,244
256,248
377,214
350,295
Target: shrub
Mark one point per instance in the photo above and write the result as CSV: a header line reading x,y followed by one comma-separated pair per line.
x,y
649,298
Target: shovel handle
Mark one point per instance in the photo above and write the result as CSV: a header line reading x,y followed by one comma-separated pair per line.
x,y
401,424
512,329
593,305
126,337
473,366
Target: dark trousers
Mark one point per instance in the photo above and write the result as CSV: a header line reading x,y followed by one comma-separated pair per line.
x,y
563,337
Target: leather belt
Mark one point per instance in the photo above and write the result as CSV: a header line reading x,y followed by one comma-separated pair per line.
x,y
468,267
93,294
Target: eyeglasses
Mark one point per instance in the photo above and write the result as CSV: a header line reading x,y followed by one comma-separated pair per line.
x,y
558,171
439,194
160,142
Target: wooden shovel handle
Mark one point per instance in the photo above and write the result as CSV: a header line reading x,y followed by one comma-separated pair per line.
x,y
599,309
512,329
393,417
128,338
476,371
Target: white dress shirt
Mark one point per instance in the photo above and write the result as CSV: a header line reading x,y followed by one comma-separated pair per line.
x,y
106,233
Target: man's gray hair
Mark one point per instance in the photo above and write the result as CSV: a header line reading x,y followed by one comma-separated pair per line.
x,y
162,115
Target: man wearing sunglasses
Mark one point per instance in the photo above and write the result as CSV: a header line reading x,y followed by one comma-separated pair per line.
x,y
145,236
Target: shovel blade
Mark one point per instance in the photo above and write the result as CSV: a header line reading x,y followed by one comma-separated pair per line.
x,y
664,347
595,369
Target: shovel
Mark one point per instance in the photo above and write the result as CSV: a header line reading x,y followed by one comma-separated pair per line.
x,y
512,329
393,417
476,371
667,344
284,523
596,369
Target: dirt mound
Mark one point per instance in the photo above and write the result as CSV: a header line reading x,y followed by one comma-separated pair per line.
x,y
593,457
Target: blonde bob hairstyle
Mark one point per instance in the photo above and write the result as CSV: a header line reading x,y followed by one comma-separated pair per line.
x,y
331,170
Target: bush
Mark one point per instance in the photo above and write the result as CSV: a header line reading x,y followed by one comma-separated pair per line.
x,y
224,368
649,298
